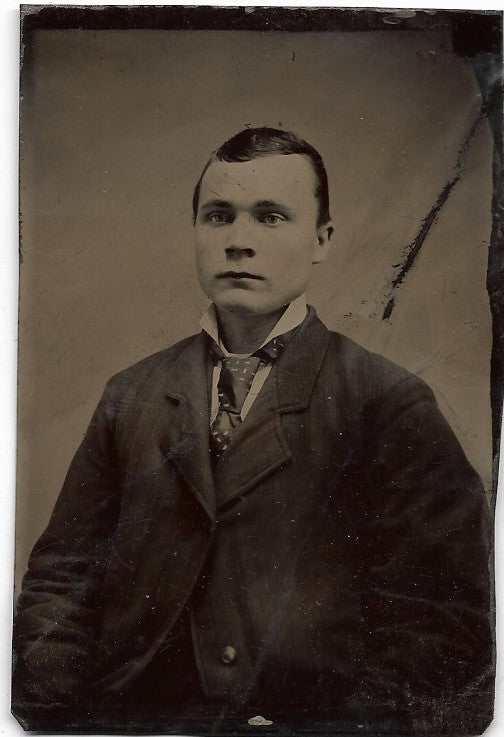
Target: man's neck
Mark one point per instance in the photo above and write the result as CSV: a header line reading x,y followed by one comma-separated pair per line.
x,y
245,333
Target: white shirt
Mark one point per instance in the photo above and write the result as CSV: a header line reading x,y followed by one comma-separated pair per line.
x,y
291,318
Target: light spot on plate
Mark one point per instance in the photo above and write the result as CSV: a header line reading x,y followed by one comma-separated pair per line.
x,y
259,721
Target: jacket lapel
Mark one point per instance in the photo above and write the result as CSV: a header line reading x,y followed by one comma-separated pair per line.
x,y
258,447
185,436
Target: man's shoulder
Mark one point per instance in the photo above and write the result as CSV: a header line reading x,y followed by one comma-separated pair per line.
x,y
155,364
358,358
369,373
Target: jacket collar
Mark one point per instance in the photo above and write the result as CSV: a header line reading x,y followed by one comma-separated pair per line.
x,y
185,439
299,365
258,447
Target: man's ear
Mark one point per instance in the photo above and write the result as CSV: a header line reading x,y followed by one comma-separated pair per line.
x,y
323,243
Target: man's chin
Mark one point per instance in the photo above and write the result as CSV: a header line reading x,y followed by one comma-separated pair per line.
x,y
246,306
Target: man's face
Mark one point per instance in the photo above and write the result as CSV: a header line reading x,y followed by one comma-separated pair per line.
x,y
256,233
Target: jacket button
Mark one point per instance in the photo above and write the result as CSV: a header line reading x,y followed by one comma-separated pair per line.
x,y
228,655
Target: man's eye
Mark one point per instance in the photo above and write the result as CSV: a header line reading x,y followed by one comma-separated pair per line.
x,y
272,218
218,218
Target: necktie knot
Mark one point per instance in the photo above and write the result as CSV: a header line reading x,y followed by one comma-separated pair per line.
x,y
235,381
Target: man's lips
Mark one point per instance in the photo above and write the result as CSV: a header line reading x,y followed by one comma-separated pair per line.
x,y
238,275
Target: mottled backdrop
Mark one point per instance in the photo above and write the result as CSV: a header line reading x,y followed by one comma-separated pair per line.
x,y
115,128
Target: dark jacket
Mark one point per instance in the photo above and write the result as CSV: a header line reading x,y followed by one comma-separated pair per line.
x,y
346,560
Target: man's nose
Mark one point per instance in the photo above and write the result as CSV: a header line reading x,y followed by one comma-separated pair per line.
x,y
235,253
240,241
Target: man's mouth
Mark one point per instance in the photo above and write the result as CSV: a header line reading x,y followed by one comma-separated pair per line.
x,y
238,275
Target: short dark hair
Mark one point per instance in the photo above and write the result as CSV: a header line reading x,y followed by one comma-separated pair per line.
x,y
253,143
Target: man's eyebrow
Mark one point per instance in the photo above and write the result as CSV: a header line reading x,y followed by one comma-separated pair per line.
x,y
271,205
216,203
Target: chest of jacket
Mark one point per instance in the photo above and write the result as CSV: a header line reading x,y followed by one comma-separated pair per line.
x,y
275,562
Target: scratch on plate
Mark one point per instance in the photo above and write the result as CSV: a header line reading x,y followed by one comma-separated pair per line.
x,y
413,249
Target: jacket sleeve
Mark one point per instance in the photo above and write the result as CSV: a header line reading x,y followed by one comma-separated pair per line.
x,y
58,611
428,596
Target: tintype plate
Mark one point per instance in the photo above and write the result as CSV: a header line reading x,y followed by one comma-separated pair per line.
x,y
328,568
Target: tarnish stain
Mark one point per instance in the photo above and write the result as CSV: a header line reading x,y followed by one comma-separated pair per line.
x,y
413,249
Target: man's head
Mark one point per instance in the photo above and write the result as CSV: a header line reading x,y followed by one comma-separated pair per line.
x,y
253,143
261,216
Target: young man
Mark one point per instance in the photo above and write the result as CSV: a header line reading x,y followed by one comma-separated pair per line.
x,y
264,520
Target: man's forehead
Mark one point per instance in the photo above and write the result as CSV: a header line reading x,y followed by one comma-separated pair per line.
x,y
279,174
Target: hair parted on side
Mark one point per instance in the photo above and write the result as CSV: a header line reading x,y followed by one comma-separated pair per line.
x,y
253,143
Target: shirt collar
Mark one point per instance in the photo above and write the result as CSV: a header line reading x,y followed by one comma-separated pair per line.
x,y
291,318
